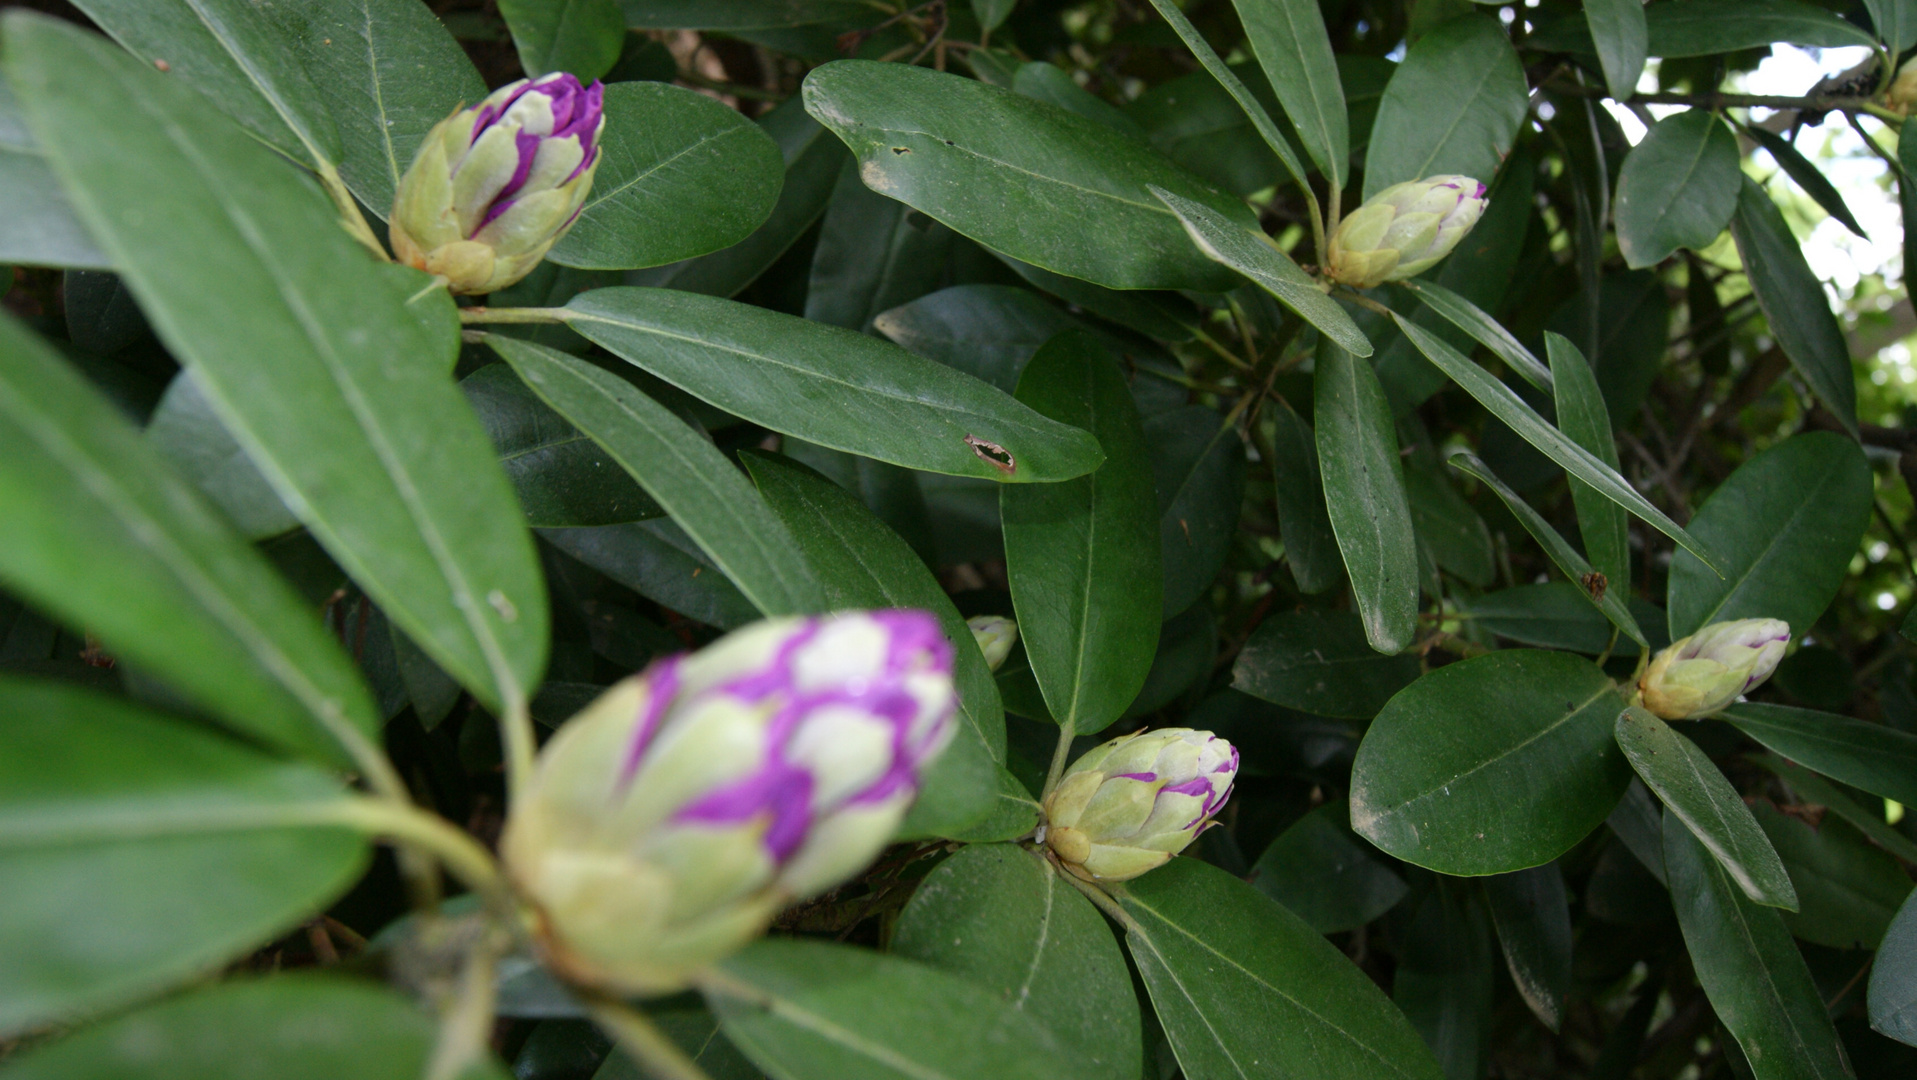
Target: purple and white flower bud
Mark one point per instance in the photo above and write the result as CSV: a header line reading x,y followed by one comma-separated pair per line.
x,y
494,186
668,822
1700,674
1130,805
1403,230
996,635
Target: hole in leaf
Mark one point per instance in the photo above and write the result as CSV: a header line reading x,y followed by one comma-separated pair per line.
x,y
992,453
901,149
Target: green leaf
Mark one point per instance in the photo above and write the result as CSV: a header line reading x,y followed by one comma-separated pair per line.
x,y
1896,23
1243,986
991,13
1877,758
812,1009
737,14
1556,615
387,71
1252,254
1793,301
141,852
1322,873
1893,980
1364,494
1622,39
103,536
1677,189
1050,83
657,560
1848,890
356,423
680,468
1708,27
561,476
694,1028
1000,917
1472,319
679,175
1289,39
1696,793
1490,765
37,225
1533,918
1082,556
1583,419
1448,528
583,37
1566,558
1311,549
986,331
1318,662
862,564
1750,968
872,254
1812,788
861,395
1195,121
1453,106
1014,813
1807,176
1198,465
304,1026
1446,974
1018,175
1784,527
1505,404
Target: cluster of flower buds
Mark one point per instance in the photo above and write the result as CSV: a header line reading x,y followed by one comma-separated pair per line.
x,y
1131,804
1403,230
494,186
995,635
1703,673
668,822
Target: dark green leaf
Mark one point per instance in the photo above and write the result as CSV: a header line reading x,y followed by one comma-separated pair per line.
x,y
1677,189
561,476
1533,918
1446,525
1324,874
1583,418
1364,493
1311,549
1812,788
1445,974
737,14
1318,662
1877,758
37,225
1491,765
1708,27
873,253
1618,30
1793,301
1187,645
1289,39
1893,981
1198,464
1806,175
1453,106
1848,891
1555,615
1472,319
583,37
696,1031
657,560
1195,122
188,435
1896,23
1050,83
986,331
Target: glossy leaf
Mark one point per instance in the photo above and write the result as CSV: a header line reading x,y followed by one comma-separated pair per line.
x,y
1289,39
1812,788
1453,106
37,224
1448,528
736,14
694,1029
1583,418
986,331
1244,987
580,36
1324,874
1491,765
862,564
1082,556
872,254
1848,890
1784,527
1487,331
561,476
1000,917
1806,175
1253,109
1364,493
1318,662
1709,27
1696,793
1446,973
1793,301
1311,549
1622,39
679,175
1750,968
1893,979
142,852
1875,757
1559,615
355,422
1677,189
1533,918
657,560
1198,467
860,395
808,1008
1896,23
1051,83
958,149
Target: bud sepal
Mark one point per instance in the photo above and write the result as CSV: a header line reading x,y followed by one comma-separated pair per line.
x,y
1403,230
1701,674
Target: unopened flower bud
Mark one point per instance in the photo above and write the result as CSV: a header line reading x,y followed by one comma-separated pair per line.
x,y
1702,673
1130,805
668,822
996,635
1403,230
1903,89
494,186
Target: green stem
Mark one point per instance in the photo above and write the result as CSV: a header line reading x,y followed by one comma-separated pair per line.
x,y
1104,900
641,1039
482,315
348,208
465,1028
1067,730
516,732
456,850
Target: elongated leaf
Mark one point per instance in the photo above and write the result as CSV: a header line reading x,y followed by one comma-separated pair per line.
x,y
1677,189
682,471
37,225
1494,764
808,1008
1533,918
1311,549
1622,39
1199,472
1583,418
1812,788
1696,793
1505,404
1082,556
737,14
1252,254
1848,890
1453,534
1877,758
861,395
141,852
679,175
104,536
561,476
986,331
974,156
1708,27
1793,301
1893,979
1253,109
1806,175
1051,83
355,422
1289,39
1318,662
657,560
186,432
1555,615
1324,874
1750,968
1364,492
1242,984
1446,973
1472,319
873,253
862,564
1453,106
1785,526
580,36
1566,557
1896,23
1000,917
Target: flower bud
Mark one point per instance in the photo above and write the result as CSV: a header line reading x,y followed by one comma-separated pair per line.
x,y
996,635
1130,805
1702,673
1903,89
494,186
1403,230
667,823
